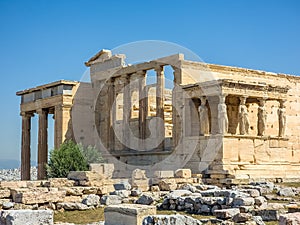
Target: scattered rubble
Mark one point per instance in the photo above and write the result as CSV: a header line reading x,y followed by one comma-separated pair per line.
x,y
178,191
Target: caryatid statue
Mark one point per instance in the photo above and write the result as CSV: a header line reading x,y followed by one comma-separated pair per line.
x,y
222,115
243,116
282,118
203,114
262,118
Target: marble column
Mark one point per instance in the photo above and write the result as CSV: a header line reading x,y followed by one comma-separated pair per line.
x,y
25,151
261,117
160,87
243,116
222,115
62,116
176,104
141,76
112,115
126,111
42,143
282,118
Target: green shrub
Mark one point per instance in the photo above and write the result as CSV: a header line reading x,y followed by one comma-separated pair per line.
x,y
67,158
91,154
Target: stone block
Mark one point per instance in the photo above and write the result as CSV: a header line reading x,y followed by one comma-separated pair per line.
x,y
127,214
111,200
171,219
124,185
167,185
72,199
142,185
57,182
243,201
138,174
72,206
226,213
163,174
91,200
19,184
286,192
267,214
21,217
145,199
105,189
183,173
73,191
85,176
105,169
37,195
5,193
290,219
241,217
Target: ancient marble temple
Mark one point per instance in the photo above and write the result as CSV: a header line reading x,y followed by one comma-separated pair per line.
x,y
230,124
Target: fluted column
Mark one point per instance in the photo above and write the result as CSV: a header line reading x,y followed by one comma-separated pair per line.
x,y
141,76
160,86
62,116
112,116
42,143
126,111
176,104
25,151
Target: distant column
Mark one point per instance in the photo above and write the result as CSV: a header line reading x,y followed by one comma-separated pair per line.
x,y
141,76
160,86
112,117
176,105
126,111
25,151
42,143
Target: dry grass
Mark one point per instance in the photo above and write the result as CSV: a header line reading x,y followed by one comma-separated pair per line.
x,y
96,215
80,217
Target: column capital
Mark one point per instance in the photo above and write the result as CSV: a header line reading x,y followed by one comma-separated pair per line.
x,y
282,102
222,98
62,106
159,70
27,114
42,111
141,73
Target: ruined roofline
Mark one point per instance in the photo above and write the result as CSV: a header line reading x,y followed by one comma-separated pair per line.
x,y
45,86
178,60
222,68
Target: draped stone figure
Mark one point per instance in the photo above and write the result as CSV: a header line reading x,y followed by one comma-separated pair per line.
x,y
282,119
262,118
222,116
243,117
203,114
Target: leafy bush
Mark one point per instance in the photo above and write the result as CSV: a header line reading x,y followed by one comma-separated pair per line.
x,y
68,157
91,154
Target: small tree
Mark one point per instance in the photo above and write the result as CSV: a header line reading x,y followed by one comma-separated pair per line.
x,y
67,158
91,154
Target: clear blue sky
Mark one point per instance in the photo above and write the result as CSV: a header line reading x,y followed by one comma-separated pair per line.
x,y
43,41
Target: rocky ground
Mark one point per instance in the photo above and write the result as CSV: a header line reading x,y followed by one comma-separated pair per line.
x,y
255,203
15,174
